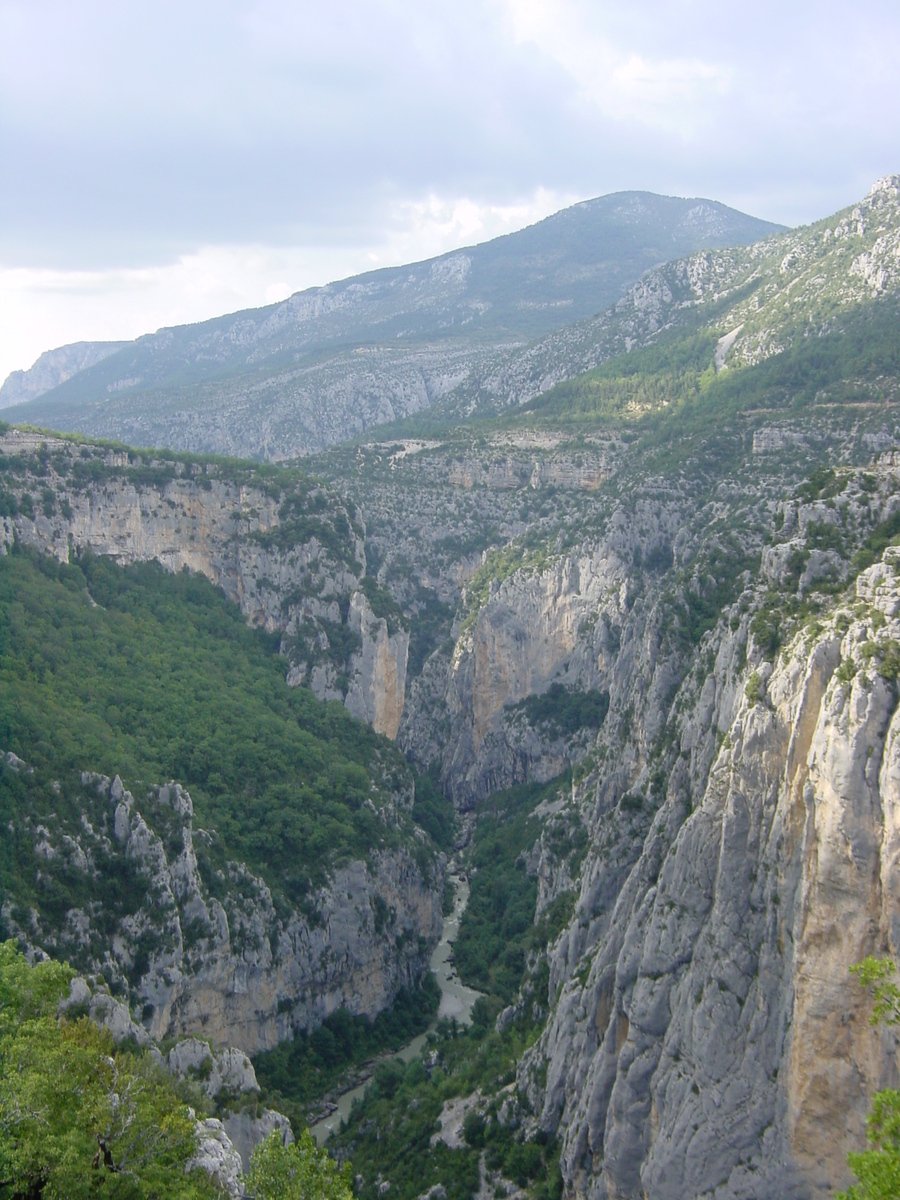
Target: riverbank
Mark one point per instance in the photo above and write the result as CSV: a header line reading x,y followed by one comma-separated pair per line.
x,y
457,1002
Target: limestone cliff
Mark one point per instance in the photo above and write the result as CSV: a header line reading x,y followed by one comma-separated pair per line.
x,y
290,554
708,1040
575,622
705,1038
230,966
376,693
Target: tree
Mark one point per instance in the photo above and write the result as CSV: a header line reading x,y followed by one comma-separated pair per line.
x,y
80,1118
877,1168
300,1171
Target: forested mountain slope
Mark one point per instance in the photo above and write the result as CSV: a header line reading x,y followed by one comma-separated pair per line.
x,y
330,362
309,884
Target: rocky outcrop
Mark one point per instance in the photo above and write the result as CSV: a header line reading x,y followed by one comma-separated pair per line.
x,y
217,1156
230,967
377,689
226,1078
292,557
245,1131
228,1070
708,1040
576,622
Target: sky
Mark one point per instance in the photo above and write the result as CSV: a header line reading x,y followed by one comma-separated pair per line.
x,y
162,163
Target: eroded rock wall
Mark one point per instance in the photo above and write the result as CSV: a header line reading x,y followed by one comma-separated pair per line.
x,y
230,967
708,1039
298,580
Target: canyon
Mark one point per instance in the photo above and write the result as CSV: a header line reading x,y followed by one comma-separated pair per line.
x,y
653,599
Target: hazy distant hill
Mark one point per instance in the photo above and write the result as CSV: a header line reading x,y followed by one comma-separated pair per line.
x,y
53,368
329,362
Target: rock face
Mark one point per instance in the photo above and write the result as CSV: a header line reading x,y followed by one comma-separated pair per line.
x,y
232,970
218,1157
292,561
705,1038
377,690
53,368
573,623
713,1043
245,1132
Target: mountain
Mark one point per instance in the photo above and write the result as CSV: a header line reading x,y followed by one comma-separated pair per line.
x,y
760,298
330,362
53,368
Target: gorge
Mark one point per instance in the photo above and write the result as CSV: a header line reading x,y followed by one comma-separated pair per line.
x,y
621,643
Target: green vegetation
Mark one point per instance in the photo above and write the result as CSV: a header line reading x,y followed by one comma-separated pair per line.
x,y
566,710
383,604
629,386
526,554
433,811
670,398
309,512
754,689
156,676
300,1171
430,626
883,535
54,885
79,1117
389,1133
298,1072
877,1168
698,596
498,929
887,652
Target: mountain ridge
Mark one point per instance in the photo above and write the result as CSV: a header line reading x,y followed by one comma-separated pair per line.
x,y
330,361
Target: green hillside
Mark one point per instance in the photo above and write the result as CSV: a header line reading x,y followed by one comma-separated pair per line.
x,y
156,676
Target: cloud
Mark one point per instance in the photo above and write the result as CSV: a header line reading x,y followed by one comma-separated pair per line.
x,y
181,139
45,307
676,95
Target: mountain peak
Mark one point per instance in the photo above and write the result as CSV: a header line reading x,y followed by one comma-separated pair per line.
x,y
887,183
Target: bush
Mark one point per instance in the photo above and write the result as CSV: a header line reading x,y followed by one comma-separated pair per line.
x,y
473,1129
300,1171
755,689
79,1117
566,710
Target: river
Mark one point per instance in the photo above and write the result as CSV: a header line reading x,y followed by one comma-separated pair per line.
x,y
456,1001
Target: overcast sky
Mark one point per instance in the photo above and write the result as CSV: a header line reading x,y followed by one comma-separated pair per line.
x,y
164,162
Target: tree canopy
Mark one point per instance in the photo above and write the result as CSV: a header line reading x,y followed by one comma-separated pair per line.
x,y
80,1117
877,1168
300,1171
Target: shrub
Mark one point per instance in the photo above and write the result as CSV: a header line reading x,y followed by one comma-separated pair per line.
x,y
755,688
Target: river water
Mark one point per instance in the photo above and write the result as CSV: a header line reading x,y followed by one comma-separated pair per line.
x,y
456,1001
